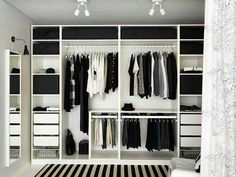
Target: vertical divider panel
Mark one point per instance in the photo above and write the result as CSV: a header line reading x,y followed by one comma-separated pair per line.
x,y
60,92
119,93
178,91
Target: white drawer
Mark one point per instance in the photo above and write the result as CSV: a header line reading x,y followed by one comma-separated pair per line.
x,y
46,130
46,118
190,141
46,141
191,119
15,129
15,141
191,130
15,119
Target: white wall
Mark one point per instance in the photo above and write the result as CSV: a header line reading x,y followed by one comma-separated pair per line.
x,y
13,22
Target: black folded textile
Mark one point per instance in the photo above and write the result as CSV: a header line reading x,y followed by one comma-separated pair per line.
x,y
39,108
50,70
15,70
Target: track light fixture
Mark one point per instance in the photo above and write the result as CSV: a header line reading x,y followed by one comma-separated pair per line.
x,y
14,39
84,4
155,3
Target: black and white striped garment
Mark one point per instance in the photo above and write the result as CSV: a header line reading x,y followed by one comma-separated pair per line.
x,y
77,170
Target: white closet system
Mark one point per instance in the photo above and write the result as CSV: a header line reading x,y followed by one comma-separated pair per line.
x,y
50,44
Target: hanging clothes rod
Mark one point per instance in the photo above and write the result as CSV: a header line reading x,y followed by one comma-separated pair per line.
x,y
91,46
149,117
149,46
101,117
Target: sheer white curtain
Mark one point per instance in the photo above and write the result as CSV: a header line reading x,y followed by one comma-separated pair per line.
x,y
219,90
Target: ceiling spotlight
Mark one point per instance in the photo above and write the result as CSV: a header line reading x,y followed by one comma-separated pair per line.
x,y
155,3
82,3
76,12
86,12
151,12
162,11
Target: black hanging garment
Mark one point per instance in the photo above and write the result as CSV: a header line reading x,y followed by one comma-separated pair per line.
x,y
77,80
70,143
172,75
112,72
152,136
67,105
84,95
131,74
134,139
147,76
104,133
125,132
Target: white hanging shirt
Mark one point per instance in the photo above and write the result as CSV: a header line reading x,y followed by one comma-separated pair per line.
x,y
135,71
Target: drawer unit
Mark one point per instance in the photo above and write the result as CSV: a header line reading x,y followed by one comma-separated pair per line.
x,y
190,130
191,119
15,119
46,118
15,141
46,141
46,130
15,129
190,141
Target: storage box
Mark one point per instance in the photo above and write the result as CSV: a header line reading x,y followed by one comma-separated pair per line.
x,y
83,147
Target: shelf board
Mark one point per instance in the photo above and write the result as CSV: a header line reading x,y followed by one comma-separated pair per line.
x,y
49,95
75,156
90,40
191,95
149,40
190,74
147,110
46,55
192,40
14,112
45,40
104,154
104,110
191,55
145,155
45,74
14,94
190,112
14,74
46,112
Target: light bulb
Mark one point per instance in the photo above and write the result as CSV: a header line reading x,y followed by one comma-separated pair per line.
x,y
151,12
76,12
86,12
162,11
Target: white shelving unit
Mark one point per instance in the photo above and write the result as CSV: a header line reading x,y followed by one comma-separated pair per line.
x,y
113,102
13,99
189,141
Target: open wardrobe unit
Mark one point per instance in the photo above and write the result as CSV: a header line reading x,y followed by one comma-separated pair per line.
x,y
82,76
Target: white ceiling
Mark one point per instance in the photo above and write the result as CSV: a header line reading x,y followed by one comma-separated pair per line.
x,y
111,11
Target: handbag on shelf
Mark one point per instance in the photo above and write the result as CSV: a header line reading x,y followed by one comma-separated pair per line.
x,y
70,143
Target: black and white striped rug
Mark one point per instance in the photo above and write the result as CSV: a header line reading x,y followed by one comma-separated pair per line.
x,y
76,170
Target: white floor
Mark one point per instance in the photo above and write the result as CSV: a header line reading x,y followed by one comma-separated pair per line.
x,y
29,171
